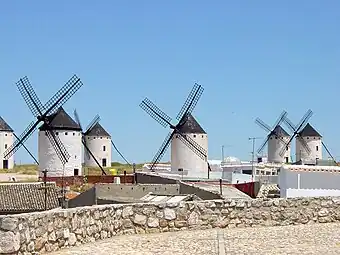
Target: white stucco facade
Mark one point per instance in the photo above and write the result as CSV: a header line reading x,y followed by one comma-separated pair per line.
x,y
183,157
100,146
48,158
6,140
275,147
315,145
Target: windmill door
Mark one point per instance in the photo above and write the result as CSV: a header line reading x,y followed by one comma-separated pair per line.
x,y
104,162
5,164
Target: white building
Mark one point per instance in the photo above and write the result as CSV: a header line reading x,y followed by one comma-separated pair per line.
x,y
69,133
309,181
314,141
99,143
182,157
6,140
276,145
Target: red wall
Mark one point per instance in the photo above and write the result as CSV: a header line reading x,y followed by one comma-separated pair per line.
x,y
248,188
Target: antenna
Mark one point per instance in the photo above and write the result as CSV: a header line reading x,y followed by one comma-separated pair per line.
x,y
162,118
44,114
253,154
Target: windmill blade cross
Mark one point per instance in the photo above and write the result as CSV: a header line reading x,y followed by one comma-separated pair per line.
x,y
63,95
94,121
304,120
76,116
30,97
280,119
263,125
260,149
34,104
191,101
160,153
157,114
290,125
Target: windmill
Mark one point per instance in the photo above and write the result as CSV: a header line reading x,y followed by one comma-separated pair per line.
x,y
44,115
88,152
296,130
95,129
308,141
277,140
183,117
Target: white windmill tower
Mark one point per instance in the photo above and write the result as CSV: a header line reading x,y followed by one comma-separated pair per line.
x,y
191,155
277,139
310,149
98,141
69,133
182,156
6,140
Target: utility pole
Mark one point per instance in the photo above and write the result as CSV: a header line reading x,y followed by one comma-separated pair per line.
x,y
222,149
253,154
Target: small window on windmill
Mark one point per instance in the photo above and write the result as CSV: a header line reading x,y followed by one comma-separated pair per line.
x,y
104,148
307,137
101,137
202,136
5,146
5,134
317,148
194,136
57,133
74,134
65,133
176,136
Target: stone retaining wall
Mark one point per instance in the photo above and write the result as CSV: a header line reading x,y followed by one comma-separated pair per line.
x,y
52,230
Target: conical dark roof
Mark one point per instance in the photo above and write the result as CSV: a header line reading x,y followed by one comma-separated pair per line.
x,y
308,130
4,126
192,126
61,121
97,130
278,130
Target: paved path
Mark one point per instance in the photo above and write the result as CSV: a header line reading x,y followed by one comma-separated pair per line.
x,y
303,239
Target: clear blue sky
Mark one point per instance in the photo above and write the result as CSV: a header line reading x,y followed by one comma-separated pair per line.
x,y
254,59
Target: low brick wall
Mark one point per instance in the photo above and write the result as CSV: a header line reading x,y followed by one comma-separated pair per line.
x,y
51,230
79,180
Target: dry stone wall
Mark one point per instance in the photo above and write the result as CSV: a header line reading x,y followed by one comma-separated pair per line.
x,y
52,230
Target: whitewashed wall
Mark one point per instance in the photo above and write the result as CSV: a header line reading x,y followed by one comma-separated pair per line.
x,y
6,138
48,158
96,145
314,144
308,181
183,157
274,148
